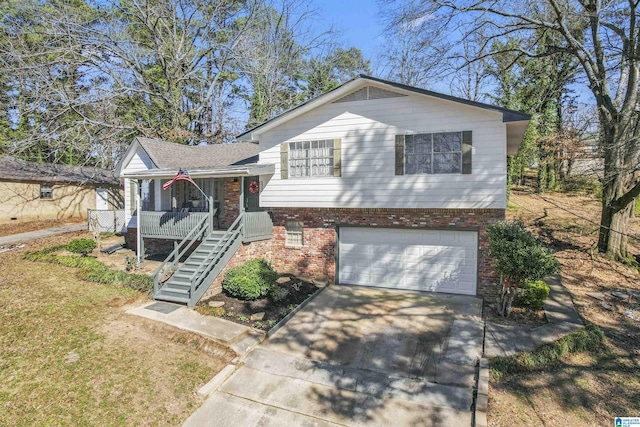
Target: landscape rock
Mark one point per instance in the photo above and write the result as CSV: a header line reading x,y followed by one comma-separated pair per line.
x,y
215,304
597,295
607,307
632,314
282,280
257,316
620,295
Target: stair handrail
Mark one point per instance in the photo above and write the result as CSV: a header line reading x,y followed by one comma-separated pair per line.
x,y
208,263
177,254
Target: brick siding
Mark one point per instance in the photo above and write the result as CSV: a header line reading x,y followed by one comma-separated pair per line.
x,y
316,258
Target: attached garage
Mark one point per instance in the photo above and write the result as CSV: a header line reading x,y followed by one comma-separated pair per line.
x,y
423,260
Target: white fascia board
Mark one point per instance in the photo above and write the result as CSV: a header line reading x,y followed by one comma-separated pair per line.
x,y
223,172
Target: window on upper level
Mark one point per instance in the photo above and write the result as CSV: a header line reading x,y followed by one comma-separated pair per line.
x,y
311,158
434,153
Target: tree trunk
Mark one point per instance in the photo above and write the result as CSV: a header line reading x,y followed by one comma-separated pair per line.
x,y
620,160
613,227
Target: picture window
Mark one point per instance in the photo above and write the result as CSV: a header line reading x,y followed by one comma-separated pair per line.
x,y
433,153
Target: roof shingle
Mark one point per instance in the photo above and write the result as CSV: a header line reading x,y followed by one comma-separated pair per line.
x,y
168,155
20,170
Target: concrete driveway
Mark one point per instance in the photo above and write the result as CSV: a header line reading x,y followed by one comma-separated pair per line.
x,y
358,356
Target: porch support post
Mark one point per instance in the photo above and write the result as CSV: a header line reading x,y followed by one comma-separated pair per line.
x,y
157,195
138,221
210,214
241,194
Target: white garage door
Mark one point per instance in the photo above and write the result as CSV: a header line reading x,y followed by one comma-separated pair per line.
x,y
424,260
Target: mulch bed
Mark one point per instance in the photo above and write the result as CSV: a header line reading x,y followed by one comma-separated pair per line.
x,y
240,311
518,316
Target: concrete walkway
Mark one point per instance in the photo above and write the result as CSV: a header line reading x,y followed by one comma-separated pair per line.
x,y
239,338
562,318
40,234
358,356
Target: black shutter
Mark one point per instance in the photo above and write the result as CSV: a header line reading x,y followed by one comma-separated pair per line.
x,y
399,154
284,160
466,152
337,157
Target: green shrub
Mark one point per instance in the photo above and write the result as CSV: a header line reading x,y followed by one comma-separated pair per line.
x,y
81,246
533,294
520,257
251,280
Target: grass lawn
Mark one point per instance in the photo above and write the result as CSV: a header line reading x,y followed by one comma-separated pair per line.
x,y
70,355
588,388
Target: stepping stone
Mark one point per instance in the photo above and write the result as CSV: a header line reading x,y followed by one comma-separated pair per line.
x,y
597,295
215,304
620,295
258,316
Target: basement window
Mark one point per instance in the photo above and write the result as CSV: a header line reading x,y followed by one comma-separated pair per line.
x,y
294,234
46,191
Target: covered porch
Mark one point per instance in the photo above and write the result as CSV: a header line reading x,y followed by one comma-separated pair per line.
x,y
217,199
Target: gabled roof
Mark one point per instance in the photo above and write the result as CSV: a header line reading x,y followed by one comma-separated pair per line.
x,y
169,155
13,169
353,84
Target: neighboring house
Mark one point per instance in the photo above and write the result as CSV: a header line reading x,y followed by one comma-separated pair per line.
x,y
374,183
35,191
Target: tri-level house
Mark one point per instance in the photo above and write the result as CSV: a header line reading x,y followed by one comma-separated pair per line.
x,y
374,183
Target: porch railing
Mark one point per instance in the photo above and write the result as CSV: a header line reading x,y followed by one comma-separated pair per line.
x,y
169,225
198,232
257,226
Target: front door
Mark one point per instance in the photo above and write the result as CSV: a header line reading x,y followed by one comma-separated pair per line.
x,y
252,193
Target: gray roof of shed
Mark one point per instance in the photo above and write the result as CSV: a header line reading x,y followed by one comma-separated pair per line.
x,y
19,170
169,155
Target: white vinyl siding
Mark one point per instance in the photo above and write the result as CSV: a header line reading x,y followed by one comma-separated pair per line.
x,y
367,130
140,161
422,260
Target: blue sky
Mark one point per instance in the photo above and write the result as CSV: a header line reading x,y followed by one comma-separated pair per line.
x,y
356,20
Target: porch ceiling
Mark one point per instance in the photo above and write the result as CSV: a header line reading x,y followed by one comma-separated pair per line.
x,y
221,172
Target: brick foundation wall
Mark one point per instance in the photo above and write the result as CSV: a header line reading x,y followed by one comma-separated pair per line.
x,y
317,257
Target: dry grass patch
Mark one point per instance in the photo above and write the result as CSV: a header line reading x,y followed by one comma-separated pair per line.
x,y
72,356
588,388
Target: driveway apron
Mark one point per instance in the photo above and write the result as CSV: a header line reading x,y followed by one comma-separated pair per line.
x,y
358,356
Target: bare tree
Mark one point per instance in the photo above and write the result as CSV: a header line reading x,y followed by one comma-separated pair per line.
x,y
272,56
604,38
416,51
